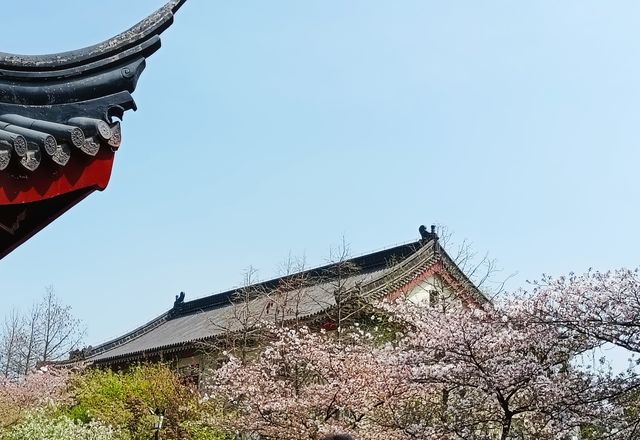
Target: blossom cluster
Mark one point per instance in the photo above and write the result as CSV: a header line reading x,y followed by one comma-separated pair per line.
x,y
40,388
506,370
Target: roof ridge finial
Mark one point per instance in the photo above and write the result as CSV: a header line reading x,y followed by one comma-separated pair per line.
x,y
179,300
426,235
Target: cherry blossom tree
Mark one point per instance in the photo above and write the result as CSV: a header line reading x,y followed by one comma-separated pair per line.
x,y
40,388
500,373
604,309
604,306
307,385
472,372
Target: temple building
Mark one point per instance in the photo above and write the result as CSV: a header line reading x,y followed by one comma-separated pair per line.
x,y
60,124
187,333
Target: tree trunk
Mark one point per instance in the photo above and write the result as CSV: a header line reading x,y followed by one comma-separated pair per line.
x,y
506,427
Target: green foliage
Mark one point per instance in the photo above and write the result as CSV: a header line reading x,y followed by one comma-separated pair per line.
x,y
201,431
102,395
381,327
593,432
128,400
40,426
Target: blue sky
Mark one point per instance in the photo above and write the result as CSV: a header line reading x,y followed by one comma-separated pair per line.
x,y
269,128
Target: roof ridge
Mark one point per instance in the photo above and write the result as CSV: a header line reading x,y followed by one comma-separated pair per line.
x,y
129,336
209,302
223,294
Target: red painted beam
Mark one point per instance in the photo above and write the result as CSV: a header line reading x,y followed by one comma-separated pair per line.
x,y
30,202
50,181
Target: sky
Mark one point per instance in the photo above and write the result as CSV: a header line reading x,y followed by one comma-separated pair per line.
x,y
269,128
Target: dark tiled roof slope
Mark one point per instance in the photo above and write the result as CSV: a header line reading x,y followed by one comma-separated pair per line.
x,y
376,275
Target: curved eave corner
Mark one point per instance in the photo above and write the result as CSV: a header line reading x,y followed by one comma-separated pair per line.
x,y
60,123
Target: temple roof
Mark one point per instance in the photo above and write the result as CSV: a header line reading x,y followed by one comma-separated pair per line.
x,y
375,275
60,123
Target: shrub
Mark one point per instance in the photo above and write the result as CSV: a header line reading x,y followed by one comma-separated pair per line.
x,y
127,401
201,431
39,426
